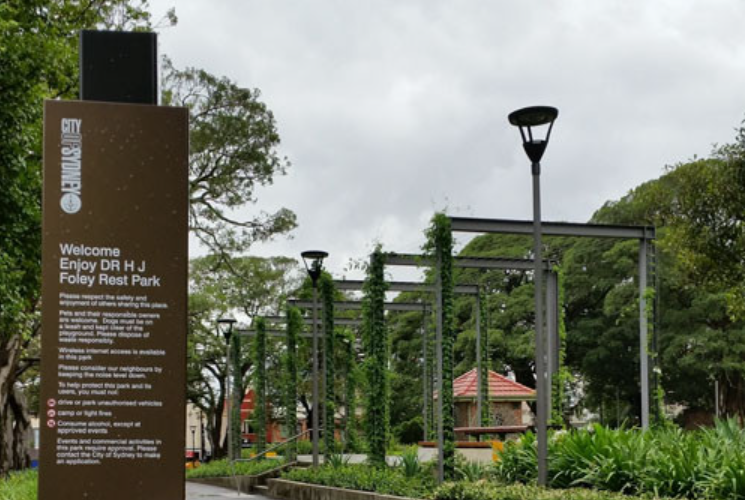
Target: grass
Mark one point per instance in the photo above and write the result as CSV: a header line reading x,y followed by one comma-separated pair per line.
x,y
222,468
19,486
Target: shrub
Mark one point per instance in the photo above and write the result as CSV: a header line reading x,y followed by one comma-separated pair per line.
x,y
223,468
305,447
708,463
409,432
336,460
470,471
410,464
383,480
483,490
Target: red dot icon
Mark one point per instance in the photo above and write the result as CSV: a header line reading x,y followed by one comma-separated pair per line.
x,y
51,403
51,413
51,424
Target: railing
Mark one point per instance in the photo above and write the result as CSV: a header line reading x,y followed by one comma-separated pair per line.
x,y
259,455
277,446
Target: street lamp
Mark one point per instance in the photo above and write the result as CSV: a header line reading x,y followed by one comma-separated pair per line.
x,y
313,260
526,119
225,325
193,441
202,449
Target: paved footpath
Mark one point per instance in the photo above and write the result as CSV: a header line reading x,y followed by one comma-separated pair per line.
x,y
204,492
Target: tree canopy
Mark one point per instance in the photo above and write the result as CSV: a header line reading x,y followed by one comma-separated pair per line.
x,y
234,142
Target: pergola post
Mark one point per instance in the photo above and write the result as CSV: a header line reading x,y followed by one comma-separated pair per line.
x,y
479,367
643,331
440,423
425,378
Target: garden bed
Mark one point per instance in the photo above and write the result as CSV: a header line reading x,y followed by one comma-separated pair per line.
x,y
285,489
248,475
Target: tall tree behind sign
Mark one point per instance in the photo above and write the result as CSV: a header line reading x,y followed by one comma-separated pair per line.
x,y
40,61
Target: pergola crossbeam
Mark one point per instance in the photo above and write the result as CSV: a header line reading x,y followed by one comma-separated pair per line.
x,y
414,260
507,226
309,321
356,306
269,332
405,286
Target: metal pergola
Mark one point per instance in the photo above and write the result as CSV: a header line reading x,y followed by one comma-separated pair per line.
x,y
413,286
645,235
482,263
349,305
504,264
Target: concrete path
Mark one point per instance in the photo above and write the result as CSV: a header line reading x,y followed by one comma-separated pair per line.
x,y
204,492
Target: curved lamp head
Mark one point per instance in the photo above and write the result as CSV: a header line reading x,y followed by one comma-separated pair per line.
x,y
313,260
534,116
225,325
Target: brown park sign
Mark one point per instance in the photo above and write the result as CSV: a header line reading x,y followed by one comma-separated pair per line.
x,y
113,365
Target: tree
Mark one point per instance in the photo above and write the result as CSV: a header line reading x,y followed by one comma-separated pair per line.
x,y
233,150
38,60
234,142
698,208
252,285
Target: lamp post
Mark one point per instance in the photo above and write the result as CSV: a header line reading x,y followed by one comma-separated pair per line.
x,y
525,119
202,449
226,326
313,260
193,441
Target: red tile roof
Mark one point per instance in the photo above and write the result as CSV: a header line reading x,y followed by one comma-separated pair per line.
x,y
500,387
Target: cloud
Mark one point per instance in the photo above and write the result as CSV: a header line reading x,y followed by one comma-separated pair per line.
x,y
391,110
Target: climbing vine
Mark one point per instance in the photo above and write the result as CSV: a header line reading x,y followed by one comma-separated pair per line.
x,y
326,286
440,246
376,359
294,327
260,384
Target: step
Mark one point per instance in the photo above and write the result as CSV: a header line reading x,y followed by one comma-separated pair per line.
x,y
261,489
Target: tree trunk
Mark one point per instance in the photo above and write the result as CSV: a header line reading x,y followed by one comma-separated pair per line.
x,y
14,419
733,397
219,445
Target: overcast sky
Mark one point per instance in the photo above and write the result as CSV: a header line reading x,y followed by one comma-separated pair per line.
x,y
391,110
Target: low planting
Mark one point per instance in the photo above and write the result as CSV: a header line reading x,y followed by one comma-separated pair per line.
x,y
382,480
223,468
703,464
393,481
483,490
19,485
